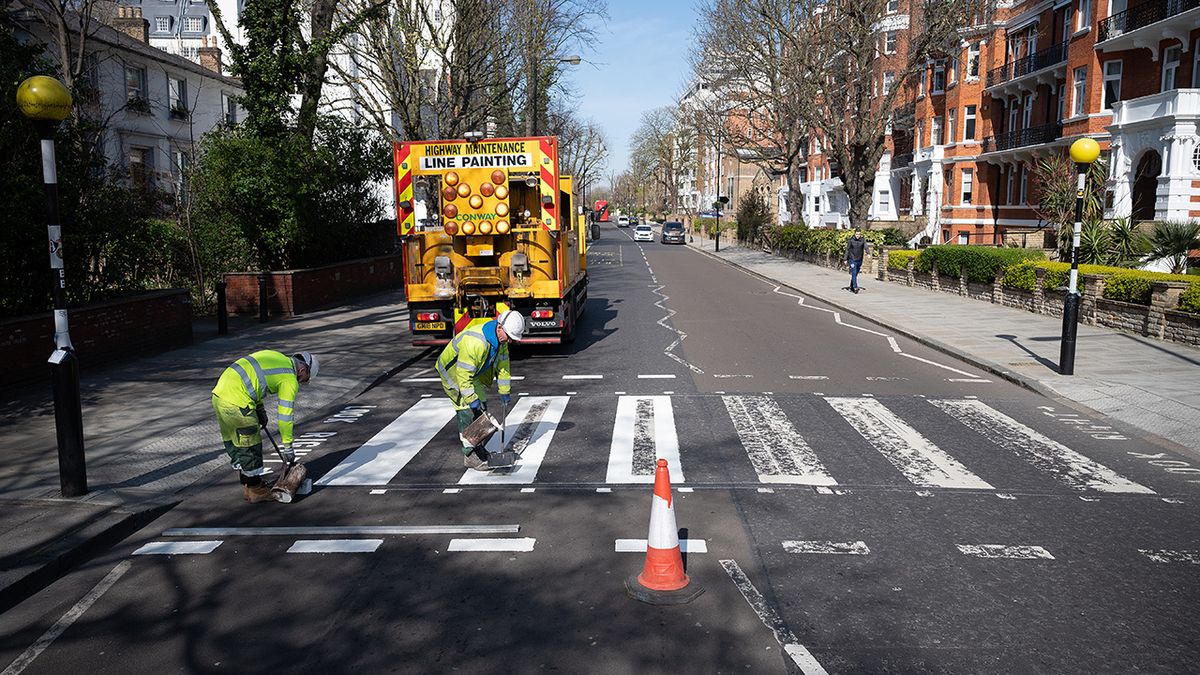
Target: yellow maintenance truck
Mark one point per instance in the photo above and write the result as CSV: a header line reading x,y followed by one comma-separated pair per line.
x,y
486,225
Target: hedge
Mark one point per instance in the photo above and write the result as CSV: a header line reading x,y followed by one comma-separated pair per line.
x,y
1136,286
1121,283
979,263
898,260
1022,276
1190,300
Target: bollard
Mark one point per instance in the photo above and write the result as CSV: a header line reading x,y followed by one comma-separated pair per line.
x,y
222,310
262,297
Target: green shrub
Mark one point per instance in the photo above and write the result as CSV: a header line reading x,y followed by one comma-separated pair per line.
x,y
898,260
1121,283
979,263
1190,300
1136,286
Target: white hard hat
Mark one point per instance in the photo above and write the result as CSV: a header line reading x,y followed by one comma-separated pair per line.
x,y
513,324
309,359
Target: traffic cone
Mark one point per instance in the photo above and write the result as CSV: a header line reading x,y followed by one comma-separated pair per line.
x,y
662,581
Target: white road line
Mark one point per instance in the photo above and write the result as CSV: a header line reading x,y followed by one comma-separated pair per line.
x,y
656,377
1003,551
830,547
451,491
779,454
935,363
684,489
1061,462
378,492
528,490
345,530
417,380
178,548
1168,556
531,424
921,462
522,545
808,377
966,379
643,432
379,460
639,546
85,603
335,546
583,377
766,613
603,490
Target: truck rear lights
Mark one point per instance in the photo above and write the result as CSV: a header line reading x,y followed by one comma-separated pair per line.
x,y
502,227
498,177
485,228
428,316
501,192
464,190
543,314
468,228
487,189
449,194
502,209
451,228
450,211
476,202
451,178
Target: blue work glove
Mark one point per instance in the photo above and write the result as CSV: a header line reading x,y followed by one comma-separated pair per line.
x,y
477,405
505,399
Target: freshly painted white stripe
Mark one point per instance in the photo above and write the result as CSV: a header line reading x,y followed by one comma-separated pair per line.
x,y
639,546
779,454
967,379
379,460
378,492
335,546
895,347
178,548
832,547
583,377
656,377
935,363
643,432
684,489
531,425
921,462
415,380
348,530
451,491
603,489
72,615
766,613
767,491
1168,556
808,377
1061,462
522,545
528,489
1003,551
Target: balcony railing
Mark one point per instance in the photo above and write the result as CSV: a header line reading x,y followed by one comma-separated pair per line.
x,y
1023,137
1050,56
1140,16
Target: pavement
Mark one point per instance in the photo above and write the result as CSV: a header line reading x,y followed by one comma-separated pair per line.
x,y
149,431
1148,384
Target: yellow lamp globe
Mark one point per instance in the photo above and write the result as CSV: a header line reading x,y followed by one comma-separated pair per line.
x,y
1085,151
44,98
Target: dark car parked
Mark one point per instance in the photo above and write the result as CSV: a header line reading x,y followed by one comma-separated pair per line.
x,y
672,233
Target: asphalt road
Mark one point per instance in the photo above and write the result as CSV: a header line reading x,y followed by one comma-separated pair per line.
x,y
851,501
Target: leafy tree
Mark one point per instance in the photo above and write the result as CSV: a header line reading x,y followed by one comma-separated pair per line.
x,y
1171,241
1055,179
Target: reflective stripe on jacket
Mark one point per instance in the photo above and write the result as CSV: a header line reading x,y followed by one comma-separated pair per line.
x,y
475,355
247,382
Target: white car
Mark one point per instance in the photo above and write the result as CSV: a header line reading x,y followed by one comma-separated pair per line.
x,y
643,233
622,221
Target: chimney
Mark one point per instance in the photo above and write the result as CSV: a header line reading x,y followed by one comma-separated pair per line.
x,y
130,22
210,54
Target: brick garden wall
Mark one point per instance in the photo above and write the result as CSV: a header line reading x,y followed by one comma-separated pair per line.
x,y
291,292
102,333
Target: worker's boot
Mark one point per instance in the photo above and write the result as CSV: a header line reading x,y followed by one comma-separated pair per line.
x,y
476,459
258,493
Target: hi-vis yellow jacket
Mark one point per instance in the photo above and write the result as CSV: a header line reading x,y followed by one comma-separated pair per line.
x,y
247,382
473,358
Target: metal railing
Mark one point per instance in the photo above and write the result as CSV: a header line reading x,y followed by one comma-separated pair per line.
x,y
1050,56
1140,16
1023,137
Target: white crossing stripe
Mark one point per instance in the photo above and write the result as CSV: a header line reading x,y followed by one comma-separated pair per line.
x,y
521,545
643,432
335,546
379,460
178,548
779,454
639,546
833,547
1003,551
920,461
419,380
799,654
656,377
530,425
1168,556
1064,464
583,377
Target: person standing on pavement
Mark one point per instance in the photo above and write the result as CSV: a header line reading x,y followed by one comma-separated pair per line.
x,y
469,364
856,249
239,400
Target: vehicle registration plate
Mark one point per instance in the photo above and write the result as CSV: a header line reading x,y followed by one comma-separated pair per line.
x,y
430,325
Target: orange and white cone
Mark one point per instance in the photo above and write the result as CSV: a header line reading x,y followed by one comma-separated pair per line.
x,y
662,581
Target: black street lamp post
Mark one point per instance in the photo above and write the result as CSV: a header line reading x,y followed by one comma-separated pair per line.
x,y
1083,152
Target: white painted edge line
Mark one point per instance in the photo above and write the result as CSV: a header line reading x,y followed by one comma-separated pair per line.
x,y
522,545
583,377
72,615
178,548
415,380
766,490
656,377
451,491
378,492
528,489
831,547
639,546
808,377
685,489
1005,551
1168,556
344,531
804,659
603,489
967,379
335,546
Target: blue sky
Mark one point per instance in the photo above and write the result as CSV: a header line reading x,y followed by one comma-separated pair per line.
x,y
640,62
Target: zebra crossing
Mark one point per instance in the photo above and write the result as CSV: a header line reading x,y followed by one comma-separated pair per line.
x,y
822,445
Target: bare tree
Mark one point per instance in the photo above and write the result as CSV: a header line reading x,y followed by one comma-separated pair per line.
x,y
663,148
552,30
582,147
71,25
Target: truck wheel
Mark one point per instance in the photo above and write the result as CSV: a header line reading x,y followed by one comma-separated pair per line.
x,y
569,330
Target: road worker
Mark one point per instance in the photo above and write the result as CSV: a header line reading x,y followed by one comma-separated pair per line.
x,y
468,365
239,400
